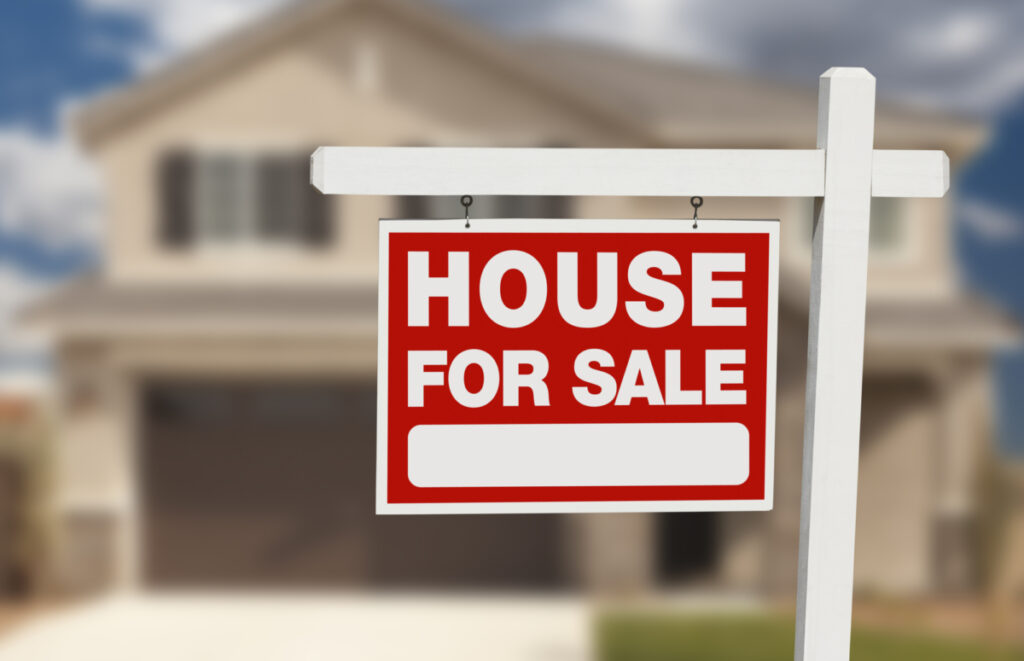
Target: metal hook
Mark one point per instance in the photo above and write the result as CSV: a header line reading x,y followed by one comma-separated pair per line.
x,y
466,201
696,202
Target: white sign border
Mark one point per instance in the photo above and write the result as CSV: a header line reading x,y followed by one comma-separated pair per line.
x,y
581,226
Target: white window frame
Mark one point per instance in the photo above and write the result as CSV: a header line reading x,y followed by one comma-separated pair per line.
x,y
246,235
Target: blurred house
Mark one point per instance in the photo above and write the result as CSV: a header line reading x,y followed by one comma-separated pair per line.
x,y
217,374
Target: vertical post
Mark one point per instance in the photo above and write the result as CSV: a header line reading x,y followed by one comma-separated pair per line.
x,y
835,362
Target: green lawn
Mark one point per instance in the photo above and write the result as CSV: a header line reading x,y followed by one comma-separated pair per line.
x,y
646,637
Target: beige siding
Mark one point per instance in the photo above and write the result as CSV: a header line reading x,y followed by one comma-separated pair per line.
x,y
894,511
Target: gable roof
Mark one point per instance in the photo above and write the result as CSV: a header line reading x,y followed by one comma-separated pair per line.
x,y
106,114
652,101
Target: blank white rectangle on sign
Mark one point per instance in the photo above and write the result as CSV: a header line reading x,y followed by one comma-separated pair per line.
x,y
569,455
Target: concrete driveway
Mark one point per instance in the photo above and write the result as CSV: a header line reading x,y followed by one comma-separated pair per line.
x,y
303,627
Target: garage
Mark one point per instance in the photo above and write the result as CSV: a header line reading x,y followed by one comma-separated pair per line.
x,y
271,484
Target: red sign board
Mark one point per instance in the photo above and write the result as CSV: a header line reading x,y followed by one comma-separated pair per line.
x,y
576,365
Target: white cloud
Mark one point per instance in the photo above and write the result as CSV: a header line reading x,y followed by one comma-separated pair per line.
x,y
49,191
50,196
991,223
17,289
964,32
652,26
176,26
1002,83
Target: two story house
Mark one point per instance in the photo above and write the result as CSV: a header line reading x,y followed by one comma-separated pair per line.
x,y
217,372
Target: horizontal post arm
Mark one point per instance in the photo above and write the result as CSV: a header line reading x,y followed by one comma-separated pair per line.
x,y
620,172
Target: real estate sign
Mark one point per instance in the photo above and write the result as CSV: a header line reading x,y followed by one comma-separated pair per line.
x,y
576,365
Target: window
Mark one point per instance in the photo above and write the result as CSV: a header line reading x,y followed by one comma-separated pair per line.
x,y
888,224
233,198
494,206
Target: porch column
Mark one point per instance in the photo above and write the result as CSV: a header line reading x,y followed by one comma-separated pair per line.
x,y
956,466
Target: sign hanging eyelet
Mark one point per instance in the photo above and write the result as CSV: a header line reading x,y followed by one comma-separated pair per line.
x,y
696,202
466,201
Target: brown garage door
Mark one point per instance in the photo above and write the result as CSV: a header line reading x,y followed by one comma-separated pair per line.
x,y
264,484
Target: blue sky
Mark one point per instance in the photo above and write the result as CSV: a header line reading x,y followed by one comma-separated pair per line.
x,y
961,57
54,50
50,53
994,264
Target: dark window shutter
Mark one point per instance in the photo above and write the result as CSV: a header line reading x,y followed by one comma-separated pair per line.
x,y
317,224
539,206
175,197
557,206
277,210
413,206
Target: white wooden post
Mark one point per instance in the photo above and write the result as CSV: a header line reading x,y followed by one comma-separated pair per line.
x,y
835,361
